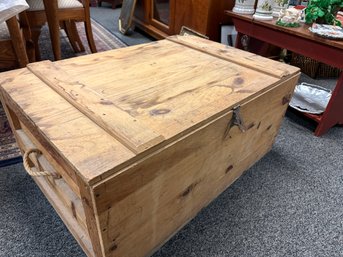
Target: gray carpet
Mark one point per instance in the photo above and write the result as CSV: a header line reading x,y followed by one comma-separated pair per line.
x,y
108,18
287,204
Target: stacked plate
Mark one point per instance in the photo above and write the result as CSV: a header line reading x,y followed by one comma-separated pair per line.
x,y
310,98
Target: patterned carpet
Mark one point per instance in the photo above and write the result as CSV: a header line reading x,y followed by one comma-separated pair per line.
x,y
104,40
9,153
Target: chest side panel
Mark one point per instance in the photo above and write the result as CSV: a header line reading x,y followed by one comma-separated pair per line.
x,y
146,203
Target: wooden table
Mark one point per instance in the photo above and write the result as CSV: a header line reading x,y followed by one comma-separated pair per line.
x,y
302,41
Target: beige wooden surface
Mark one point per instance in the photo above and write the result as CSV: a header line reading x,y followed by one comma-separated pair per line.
x,y
140,135
148,202
172,88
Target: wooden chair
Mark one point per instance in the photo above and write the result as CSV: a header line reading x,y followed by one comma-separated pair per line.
x,y
13,52
56,12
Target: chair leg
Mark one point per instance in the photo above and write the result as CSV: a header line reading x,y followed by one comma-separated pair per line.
x,y
35,32
89,33
17,41
55,40
66,26
74,39
54,27
30,46
76,35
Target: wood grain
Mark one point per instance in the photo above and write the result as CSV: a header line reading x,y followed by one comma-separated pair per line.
x,y
73,217
61,129
97,107
183,90
146,203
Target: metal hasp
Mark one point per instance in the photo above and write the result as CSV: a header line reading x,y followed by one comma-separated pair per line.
x,y
236,120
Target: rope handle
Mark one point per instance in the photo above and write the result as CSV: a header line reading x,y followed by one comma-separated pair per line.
x,y
39,171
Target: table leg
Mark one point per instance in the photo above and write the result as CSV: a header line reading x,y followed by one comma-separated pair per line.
x,y
334,112
238,43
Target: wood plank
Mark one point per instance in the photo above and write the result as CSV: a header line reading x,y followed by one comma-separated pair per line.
x,y
66,214
146,203
61,129
204,84
25,133
71,200
91,219
74,227
96,107
237,56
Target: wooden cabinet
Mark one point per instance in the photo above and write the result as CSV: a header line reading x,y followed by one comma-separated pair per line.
x,y
161,18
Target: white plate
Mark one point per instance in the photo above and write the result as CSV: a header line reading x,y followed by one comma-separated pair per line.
x,y
310,98
327,31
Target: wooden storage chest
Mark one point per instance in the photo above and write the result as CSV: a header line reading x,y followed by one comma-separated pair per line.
x,y
132,143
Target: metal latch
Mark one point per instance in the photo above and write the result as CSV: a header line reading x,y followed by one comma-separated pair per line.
x,y
236,120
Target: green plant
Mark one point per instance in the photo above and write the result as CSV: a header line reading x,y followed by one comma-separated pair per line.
x,y
323,11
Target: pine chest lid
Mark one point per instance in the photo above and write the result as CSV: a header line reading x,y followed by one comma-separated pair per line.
x,y
99,111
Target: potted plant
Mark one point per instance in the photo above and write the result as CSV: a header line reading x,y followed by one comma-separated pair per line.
x,y
323,11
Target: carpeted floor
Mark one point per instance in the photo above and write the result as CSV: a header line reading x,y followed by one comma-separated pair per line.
x,y
9,152
287,204
108,18
104,40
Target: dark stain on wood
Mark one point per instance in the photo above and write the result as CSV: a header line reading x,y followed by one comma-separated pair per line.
x,y
212,82
228,169
242,91
251,125
238,81
113,247
106,102
73,210
259,124
144,104
188,190
124,98
156,112
286,99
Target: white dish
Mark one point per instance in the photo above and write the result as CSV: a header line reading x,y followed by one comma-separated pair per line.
x,y
310,98
327,31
